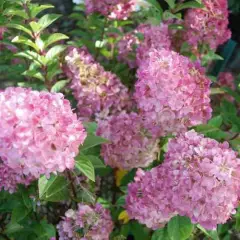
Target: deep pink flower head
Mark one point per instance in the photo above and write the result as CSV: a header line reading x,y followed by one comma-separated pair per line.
x,y
87,223
113,9
208,25
205,178
172,93
39,133
9,179
130,145
156,37
149,198
97,91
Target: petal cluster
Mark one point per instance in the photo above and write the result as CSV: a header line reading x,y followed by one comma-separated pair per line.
x,y
172,93
208,25
9,179
97,91
130,145
86,223
113,9
199,179
148,199
39,133
156,37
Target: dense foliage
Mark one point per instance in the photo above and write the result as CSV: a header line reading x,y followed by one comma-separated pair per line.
x,y
118,127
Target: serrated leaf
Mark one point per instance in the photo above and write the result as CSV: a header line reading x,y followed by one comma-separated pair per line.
x,y
160,234
47,20
31,56
84,165
58,86
171,3
54,52
35,9
20,27
35,27
216,121
91,141
25,41
13,228
96,162
15,12
19,213
190,4
211,234
155,4
179,228
53,189
55,38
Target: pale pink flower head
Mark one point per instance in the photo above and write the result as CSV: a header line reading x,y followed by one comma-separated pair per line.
x,y
133,50
113,9
98,92
130,144
205,178
172,93
39,133
87,223
208,25
149,198
9,179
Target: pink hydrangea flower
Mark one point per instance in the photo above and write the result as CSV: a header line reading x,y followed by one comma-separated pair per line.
x,y
205,178
9,179
113,9
198,179
130,145
149,198
172,93
156,37
87,223
98,92
208,25
39,133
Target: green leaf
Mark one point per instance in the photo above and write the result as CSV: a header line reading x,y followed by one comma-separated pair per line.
x,y
90,127
179,228
55,38
19,213
232,93
53,189
44,230
140,232
160,234
156,5
54,52
209,57
13,228
25,41
31,56
211,234
53,69
92,141
171,3
35,9
168,15
47,20
35,27
216,121
121,201
190,4
84,165
20,27
58,86
96,162
15,12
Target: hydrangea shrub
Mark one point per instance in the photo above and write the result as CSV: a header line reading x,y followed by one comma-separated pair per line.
x,y
112,124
